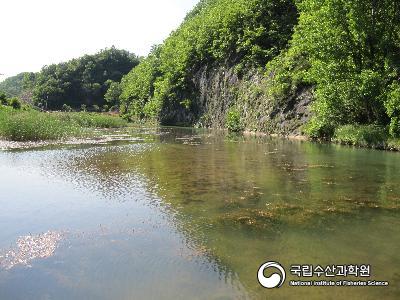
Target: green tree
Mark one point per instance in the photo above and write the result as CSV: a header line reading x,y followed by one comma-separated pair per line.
x,y
113,93
353,47
84,80
137,87
247,32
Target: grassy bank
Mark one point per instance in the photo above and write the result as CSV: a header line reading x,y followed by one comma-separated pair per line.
x,y
367,136
91,120
31,125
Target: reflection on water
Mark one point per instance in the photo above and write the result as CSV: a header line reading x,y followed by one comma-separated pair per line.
x,y
184,213
29,248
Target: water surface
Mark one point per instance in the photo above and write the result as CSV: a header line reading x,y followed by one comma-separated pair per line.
x,y
191,214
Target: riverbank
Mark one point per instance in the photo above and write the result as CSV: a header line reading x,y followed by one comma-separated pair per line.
x,y
355,136
32,125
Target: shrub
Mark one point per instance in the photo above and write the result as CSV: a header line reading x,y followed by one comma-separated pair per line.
x,y
393,109
233,122
394,128
394,144
3,99
15,103
66,108
114,108
318,129
96,108
362,135
83,107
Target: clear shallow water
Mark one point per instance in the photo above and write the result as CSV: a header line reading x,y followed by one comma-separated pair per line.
x,y
182,214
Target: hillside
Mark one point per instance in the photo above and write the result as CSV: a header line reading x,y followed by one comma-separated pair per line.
x,y
278,66
16,86
217,53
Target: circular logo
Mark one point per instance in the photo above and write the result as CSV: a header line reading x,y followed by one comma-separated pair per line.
x,y
275,280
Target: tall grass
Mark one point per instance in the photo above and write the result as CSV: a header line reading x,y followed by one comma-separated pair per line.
x,y
97,120
31,125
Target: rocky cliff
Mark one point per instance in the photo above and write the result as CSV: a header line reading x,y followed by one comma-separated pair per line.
x,y
217,89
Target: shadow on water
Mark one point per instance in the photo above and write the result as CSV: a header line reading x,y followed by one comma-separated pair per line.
x,y
223,205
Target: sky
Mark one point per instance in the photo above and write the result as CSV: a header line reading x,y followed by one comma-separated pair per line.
x,y
34,33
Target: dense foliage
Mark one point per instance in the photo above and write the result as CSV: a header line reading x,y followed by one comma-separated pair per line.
x,y
13,102
233,123
20,121
347,50
361,135
81,81
248,33
350,51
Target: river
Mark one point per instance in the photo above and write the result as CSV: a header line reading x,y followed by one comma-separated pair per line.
x,y
175,213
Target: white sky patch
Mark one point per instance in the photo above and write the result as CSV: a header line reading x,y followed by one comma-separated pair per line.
x,y
42,32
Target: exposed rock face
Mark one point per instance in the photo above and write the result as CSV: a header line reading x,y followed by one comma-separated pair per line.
x,y
217,88
289,118
216,93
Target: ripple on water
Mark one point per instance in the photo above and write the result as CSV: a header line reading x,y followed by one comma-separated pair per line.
x,y
100,140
